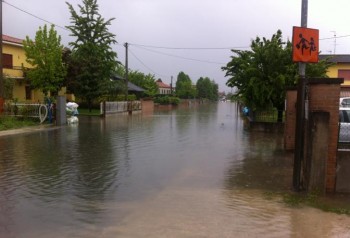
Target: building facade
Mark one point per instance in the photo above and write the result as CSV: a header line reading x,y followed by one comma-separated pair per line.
x,y
163,88
340,69
14,63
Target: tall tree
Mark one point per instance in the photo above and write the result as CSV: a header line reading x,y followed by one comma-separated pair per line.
x,y
207,88
92,51
261,74
45,55
184,87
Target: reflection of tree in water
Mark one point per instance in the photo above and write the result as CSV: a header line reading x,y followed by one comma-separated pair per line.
x,y
97,166
263,164
206,114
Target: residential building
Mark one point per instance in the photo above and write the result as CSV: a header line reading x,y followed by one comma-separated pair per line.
x,y
340,69
163,87
14,61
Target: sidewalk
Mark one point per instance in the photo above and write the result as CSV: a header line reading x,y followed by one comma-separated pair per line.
x,y
30,129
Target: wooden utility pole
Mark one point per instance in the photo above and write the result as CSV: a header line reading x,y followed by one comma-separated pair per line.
x,y
126,71
300,116
171,85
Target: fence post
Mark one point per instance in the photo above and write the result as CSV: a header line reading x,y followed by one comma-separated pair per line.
x,y
104,109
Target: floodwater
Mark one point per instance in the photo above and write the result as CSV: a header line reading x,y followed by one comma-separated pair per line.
x,y
190,172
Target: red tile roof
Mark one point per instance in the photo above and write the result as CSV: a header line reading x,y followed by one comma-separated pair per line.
x,y
162,85
12,39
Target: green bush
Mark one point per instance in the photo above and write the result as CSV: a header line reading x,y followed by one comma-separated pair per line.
x,y
121,97
167,100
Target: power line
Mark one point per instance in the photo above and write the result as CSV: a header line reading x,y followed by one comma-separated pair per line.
x,y
159,47
181,57
335,37
31,14
145,64
191,48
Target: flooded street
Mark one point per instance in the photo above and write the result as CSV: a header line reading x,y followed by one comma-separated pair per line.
x,y
192,172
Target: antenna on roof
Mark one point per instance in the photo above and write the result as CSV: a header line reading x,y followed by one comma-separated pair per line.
x,y
335,40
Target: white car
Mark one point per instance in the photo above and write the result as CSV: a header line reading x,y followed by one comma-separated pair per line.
x,y
344,124
344,102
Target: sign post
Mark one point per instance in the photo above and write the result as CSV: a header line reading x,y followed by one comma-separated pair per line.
x,y
305,50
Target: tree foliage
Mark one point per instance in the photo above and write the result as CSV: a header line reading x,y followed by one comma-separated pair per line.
x,y
262,74
184,87
9,84
91,51
207,89
145,81
45,55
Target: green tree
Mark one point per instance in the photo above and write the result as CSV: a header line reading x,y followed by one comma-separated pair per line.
x,y
9,84
260,75
147,82
92,51
215,91
207,89
45,55
184,87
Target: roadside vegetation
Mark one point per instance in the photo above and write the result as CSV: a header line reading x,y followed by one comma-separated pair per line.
x,y
8,123
330,203
261,75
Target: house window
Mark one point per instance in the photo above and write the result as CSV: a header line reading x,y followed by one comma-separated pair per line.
x,y
7,61
343,73
28,92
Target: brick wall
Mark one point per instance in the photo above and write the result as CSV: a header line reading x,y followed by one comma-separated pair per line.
x,y
147,106
323,96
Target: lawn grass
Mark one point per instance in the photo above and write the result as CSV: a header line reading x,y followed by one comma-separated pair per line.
x,y
334,204
8,123
86,112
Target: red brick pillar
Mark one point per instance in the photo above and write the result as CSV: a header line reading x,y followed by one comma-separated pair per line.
x,y
324,96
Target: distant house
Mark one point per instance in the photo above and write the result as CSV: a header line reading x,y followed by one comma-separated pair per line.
x,y
14,61
340,69
163,87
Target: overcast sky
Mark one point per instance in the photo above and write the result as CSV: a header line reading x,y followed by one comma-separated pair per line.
x,y
204,30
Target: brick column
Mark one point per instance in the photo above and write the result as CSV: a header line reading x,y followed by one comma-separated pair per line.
x,y
324,96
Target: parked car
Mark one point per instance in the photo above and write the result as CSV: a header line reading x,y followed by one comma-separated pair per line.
x,y
344,102
344,124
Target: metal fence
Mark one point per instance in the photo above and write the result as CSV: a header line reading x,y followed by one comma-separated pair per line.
x,y
118,107
267,116
29,110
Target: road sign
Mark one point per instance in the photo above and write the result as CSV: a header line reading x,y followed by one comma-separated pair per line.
x,y
305,45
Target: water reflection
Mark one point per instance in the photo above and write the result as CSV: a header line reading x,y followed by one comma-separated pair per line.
x,y
188,172
263,164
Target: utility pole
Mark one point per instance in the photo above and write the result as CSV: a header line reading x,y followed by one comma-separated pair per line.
x,y
126,70
300,116
171,85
